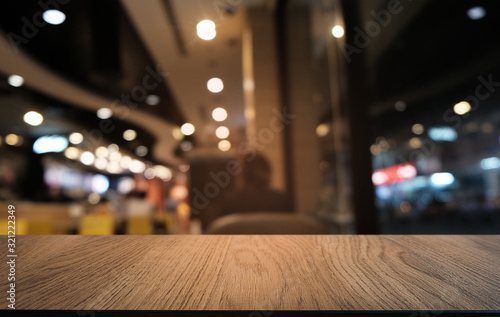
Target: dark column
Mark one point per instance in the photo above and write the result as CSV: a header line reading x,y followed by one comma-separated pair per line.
x,y
357,100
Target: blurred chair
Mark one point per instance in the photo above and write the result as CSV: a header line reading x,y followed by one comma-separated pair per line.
x,y
21,227
266,223
139,225
40,226
166,220
96,225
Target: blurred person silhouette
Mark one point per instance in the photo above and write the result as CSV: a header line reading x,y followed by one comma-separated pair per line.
x,y
256,194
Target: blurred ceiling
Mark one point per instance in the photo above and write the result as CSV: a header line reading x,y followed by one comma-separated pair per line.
x,y
105,49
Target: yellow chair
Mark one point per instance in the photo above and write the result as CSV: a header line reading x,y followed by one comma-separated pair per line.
x,y
40,226
139,225
96,225
21,227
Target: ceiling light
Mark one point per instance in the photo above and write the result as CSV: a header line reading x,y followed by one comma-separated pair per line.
x,y
54,17
462,108
141,151
125,162
75,138
15,80
222,132
219,114
101,163
338,31
114,168
46,144
152,100
322,129
163,172
224,145
33,118
113,148
101,151
129,135
415,143
187,129
87,158
115,156
206,30
417,128
13,140
149,173
137,166
72,153
476,13
104,113
215,85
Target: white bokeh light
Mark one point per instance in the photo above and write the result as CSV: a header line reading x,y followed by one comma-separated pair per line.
x,y
219,114
15,80
87,158
75,138
222,132
338,31
33,118
187,129
206,30
215,85
104,113
54,17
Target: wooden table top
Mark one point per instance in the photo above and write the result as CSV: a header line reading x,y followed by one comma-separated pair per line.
x,y
267,272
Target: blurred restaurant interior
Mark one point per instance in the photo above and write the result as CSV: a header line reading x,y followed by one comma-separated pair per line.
x,y
250,116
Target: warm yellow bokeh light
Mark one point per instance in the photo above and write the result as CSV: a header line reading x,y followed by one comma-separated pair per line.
x,y
415,143
462,108
222,132
101,151
14,140
322,129
177,134
129,135
338,31
224,145
72,153
417,128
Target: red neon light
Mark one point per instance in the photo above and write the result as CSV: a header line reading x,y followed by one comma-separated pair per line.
x,y
394,174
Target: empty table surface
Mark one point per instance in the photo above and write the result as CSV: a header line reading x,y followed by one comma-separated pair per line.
x,y
266,272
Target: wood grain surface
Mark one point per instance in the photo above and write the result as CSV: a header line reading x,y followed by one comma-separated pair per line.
x,y
257,272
